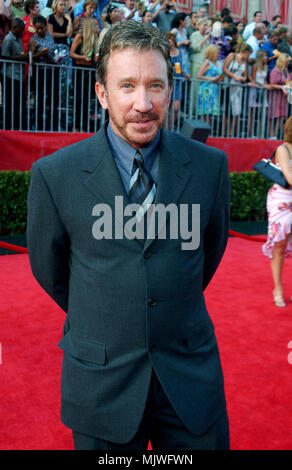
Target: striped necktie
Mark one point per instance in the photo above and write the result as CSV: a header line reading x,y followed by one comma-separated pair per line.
x,y
142,187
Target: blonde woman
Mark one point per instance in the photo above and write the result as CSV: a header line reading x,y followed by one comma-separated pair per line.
x,y
208,94
279,208
84,51
236,68
59,24
259,82
279,79
199,41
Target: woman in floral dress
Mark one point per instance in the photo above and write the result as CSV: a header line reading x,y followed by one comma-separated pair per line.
x,y
200,40
279,207
208,93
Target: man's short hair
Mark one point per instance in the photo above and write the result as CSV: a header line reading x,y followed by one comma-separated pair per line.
x,y
282,29
273,33
258,29
17,23
29,5
256,13
228,19
276,17
40,19
232,30
135,35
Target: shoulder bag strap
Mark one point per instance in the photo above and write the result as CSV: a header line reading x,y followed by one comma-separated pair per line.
x,y
288,150
272,156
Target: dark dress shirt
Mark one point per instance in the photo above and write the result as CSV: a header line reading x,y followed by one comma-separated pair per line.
x,y
124,154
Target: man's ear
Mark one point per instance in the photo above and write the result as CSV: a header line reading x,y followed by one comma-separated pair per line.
x,y
101,94
169,94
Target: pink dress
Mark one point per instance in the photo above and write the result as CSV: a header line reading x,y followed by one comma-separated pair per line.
x,y
278,102
279,208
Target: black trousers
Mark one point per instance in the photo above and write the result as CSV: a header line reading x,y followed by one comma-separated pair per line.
x,y
163,428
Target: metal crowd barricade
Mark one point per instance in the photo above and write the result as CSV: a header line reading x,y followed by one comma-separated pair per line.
x,y
49,98
258,113
61,98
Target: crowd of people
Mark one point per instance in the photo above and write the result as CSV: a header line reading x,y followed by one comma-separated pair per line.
x,y
222,59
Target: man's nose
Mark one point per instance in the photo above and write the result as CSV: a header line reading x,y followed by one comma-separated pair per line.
x,y
143,101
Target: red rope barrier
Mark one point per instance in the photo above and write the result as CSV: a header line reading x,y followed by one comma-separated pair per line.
x,y
256,238
10,247
21,249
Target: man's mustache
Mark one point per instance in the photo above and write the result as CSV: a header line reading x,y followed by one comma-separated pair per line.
x,y
143,117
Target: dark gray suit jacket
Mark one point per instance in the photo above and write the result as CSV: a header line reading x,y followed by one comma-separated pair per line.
x,y
131,306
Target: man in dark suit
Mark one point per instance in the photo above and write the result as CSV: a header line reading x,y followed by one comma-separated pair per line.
x,y
141,360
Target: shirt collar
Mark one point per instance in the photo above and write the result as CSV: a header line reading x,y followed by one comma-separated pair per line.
x,y
13,36
124,153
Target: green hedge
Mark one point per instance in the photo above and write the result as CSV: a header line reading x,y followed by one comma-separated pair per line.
x,y
13,192
248,199
248,196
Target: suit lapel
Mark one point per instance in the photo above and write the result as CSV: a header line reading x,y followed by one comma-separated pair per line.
x,y
104,179
105,182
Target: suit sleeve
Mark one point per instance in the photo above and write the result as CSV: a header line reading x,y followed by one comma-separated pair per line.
x,y
216,234
47,241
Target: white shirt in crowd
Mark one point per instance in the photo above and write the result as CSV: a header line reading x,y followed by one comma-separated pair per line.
x,y
127,12
248,30
254,44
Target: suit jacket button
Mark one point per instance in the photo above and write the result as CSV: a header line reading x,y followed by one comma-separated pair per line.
x,y
147,254
153,348
152,302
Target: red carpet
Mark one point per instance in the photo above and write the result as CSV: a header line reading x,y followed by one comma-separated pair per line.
x,y
253,338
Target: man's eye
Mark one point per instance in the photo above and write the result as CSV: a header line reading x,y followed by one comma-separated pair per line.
x,y
156,85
